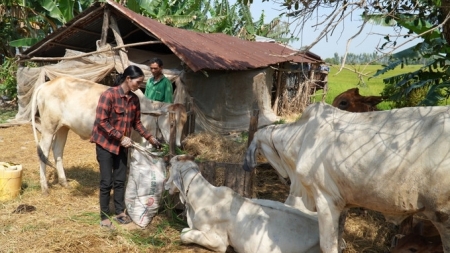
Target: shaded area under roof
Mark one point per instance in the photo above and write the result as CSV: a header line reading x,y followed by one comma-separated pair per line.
x,y
200,51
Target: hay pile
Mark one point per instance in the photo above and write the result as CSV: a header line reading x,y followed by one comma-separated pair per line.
x,y
215,147
67,220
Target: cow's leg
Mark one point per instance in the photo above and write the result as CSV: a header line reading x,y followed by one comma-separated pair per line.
x,y
444,231
44,146
329,219
209,240
342,218
58,150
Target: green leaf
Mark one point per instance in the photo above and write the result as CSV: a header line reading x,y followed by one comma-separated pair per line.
x,y
25,42
66,7
134,6
53,10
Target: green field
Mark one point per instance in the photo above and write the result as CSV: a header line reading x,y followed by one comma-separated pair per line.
x,y
348,78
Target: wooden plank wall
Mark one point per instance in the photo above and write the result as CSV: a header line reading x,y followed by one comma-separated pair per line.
x,y
234,177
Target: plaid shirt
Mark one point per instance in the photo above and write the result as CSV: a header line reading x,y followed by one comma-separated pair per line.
x,y
116,114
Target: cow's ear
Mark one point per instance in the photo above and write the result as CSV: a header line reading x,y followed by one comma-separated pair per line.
x,y
176,180
355,91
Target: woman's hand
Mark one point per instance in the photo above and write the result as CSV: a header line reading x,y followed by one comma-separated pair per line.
x,y
154,142
125,141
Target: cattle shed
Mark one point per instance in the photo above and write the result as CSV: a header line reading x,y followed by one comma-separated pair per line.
x,y
223,77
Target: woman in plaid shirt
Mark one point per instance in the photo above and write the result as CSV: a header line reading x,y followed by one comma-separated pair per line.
x,y
118,111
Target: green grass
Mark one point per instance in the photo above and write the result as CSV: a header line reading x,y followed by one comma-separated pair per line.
x,y
6,114
348,78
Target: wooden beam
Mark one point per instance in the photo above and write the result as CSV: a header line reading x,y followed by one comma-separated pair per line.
x,y
61,33
87,54
86,31
68,46
130,33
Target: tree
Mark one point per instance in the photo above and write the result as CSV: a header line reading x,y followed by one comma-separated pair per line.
x,y
424,19
216,17
23,23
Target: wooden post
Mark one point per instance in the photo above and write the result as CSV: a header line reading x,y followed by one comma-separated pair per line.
x,y
115,28
173,134
253,126
192,116
105,26
277,94
246,179
186,130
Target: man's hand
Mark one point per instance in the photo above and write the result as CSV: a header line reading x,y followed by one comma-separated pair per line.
x,y
126,141
154,142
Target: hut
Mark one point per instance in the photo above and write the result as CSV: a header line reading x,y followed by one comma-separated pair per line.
x,y
223,78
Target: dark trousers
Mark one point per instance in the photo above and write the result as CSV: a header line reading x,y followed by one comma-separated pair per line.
x,y
113,174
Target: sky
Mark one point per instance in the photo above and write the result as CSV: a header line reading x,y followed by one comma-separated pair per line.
x,y
366,42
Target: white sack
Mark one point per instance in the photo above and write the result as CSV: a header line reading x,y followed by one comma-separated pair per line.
x,y
144,187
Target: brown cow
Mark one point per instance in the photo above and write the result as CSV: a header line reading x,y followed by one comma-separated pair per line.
x,y
352,101
415,243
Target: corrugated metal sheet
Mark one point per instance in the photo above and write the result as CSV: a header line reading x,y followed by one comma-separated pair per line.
x,y
215,51
199,51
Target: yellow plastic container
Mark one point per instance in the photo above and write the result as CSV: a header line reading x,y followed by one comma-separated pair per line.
x,y
10,181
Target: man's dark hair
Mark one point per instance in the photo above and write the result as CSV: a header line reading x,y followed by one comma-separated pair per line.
x,y
157,61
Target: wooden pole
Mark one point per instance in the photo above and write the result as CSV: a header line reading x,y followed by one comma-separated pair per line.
x,y
277,94
253,126
173,134
192,116
115,28
186,131
90,53
247,178
105,26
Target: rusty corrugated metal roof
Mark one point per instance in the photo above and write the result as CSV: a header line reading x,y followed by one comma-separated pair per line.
x,y
200,51
216,51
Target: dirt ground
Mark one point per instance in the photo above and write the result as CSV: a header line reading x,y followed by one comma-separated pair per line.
x,y
67,220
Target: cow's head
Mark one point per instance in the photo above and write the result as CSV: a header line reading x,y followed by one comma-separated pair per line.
x,y
178,166
264,144
155,116
352,101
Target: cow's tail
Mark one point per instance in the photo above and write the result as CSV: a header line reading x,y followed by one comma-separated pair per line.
x,y
250,156
40,153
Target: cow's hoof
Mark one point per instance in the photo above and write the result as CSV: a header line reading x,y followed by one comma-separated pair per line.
x,y
45,192
63,182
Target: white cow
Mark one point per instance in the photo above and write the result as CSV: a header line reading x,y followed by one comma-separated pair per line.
x,y
396,162
69,103
218,217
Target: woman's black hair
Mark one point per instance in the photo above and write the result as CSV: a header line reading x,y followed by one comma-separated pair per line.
x,y
132,71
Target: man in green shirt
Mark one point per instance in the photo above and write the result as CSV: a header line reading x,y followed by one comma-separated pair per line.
x,y
158,88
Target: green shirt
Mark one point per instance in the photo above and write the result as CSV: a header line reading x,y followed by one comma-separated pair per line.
x,y
160,90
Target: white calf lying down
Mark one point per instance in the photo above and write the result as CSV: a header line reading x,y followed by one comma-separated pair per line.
x,y
218,217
